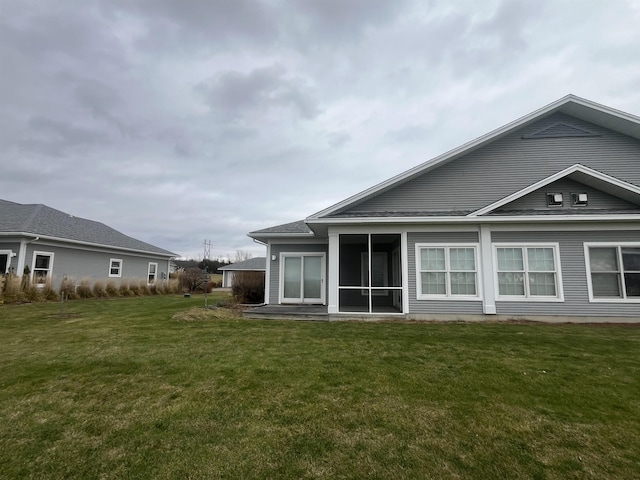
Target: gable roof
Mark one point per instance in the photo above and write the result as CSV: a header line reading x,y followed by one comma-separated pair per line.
x,y
40,220
580,173
571,105
253,264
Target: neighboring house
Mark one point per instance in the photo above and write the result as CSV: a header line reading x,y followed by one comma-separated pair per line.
x,y
257,264
539,218
54,245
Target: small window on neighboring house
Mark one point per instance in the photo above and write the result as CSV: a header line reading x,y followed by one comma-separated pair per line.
x,y
153,270
554,199
614,272
579,199
42,267
115,267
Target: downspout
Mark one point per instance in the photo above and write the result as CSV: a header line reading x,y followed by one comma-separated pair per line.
x,y
22,254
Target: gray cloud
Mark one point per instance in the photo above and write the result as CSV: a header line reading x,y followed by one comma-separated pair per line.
x,y
236,95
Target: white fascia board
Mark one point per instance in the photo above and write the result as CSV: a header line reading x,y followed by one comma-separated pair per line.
x,y
91,246
470,146
476,220
556,176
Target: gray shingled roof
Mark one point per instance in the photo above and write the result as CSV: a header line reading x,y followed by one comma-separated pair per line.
x,y
299,227
39,219
257,263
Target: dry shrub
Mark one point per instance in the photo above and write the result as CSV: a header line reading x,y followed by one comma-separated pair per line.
x,y
84,289
68,288
134,288
99,290
112,289
143,288
31,293
153,289
248,287
48,293
124,289
11,289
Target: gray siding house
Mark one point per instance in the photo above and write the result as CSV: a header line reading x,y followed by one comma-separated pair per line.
x,y
54,245
257,264
538,219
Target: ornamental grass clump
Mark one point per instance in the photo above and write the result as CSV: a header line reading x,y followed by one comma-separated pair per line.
x,y
99,290
123,289
68,288
111,289
84,289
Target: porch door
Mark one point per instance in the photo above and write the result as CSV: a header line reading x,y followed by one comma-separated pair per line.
x,y
303,278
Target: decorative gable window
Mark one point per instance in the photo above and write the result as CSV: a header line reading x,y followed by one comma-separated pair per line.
x,y
613,272
446,271
115,267
528,272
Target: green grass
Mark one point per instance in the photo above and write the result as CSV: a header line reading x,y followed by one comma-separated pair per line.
x,y
121,389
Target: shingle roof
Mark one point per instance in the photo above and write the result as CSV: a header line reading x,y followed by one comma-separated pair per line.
x,y
39,219
299,227
257,263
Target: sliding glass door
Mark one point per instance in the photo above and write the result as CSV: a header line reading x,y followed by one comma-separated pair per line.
x,y
302,278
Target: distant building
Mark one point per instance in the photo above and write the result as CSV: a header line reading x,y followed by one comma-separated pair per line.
x,y
257,264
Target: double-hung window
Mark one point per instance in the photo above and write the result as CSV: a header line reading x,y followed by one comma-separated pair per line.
x,y
115,267
447,271
613,272
42,267
529,271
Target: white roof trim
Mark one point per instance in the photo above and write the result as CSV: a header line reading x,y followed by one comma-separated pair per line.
x,y
569,100
556,176
475,220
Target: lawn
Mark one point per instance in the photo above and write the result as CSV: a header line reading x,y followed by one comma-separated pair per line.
x,y
148,388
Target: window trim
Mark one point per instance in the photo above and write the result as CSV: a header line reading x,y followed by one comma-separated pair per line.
x,y
155,274
33,267
527,297
587,265
10,255
448,295
119,274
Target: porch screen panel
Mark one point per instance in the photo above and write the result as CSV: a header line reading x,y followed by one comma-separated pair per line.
x,y
370,273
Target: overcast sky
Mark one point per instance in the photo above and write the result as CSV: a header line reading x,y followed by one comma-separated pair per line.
x,y
180,121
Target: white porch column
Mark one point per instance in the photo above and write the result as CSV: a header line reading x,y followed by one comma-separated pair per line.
x,y
486,256
334,248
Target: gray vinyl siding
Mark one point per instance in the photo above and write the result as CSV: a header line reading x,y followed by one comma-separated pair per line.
x,y
574,274
437,306
510,164
93,266
597,199
274,272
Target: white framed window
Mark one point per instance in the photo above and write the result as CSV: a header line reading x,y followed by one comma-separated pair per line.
x,y
613,272
528,272
42,267
5,261
447,271
152,273
115,267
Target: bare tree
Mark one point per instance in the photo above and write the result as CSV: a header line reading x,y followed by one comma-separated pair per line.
x,y
241,256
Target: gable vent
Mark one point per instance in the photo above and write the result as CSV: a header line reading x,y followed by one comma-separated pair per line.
x,y
560,129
